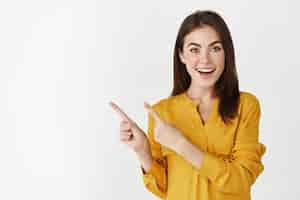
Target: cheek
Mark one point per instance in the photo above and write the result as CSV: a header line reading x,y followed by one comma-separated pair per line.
x,y
192,61
219,60
220,65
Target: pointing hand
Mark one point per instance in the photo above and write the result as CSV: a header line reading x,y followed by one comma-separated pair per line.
x,y
130,133
165,133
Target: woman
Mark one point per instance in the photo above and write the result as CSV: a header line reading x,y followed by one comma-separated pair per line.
x,y
202,141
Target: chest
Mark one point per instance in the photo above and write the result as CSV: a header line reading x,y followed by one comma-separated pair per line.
x,y
204,113
212,135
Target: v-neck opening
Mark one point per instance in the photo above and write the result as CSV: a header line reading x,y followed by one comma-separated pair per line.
x,y
195,105
211,113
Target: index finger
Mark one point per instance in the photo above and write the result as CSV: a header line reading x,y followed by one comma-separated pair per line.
x,y
152,111
120,111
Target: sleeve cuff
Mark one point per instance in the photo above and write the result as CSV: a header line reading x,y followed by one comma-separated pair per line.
x,y
153,170
155,179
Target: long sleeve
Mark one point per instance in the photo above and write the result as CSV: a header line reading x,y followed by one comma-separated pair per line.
x,y
237,172
156,179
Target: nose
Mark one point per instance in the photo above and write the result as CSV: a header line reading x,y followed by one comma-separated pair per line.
x,y
203,57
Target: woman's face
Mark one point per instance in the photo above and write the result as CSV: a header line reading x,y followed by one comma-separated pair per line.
x,y
203,56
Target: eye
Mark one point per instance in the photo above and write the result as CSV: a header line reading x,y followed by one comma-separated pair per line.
x,y
194,50
216,48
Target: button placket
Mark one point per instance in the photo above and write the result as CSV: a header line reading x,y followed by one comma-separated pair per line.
x,y
194,186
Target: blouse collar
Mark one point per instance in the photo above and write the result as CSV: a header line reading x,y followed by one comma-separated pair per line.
x,y
194,103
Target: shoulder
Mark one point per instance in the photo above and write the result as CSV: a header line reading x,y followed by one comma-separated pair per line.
x,y
248,98
249,103
165,105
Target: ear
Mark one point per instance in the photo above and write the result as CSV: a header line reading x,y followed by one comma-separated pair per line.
x,y
181,56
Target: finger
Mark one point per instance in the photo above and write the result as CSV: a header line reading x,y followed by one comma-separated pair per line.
x,y
120,111
125,137
127,142
125,126
124,122
125,129
125,133
151,111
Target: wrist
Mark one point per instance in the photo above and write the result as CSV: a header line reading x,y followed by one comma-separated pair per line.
x,y
142,153
144,149
145,159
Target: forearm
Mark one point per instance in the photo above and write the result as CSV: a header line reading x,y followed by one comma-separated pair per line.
x,y
145,158
190,152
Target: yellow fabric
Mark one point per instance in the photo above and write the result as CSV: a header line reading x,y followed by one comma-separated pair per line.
x,y
232,153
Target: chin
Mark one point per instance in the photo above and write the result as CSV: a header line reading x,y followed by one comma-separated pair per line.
x,y
204,83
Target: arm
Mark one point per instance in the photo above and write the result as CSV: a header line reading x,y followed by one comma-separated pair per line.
x,y
154,166
237,172
146,160
190,152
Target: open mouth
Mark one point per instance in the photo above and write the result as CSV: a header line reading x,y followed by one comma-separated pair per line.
x,y
205,71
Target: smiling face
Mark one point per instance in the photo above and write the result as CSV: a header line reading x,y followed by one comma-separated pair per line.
x,y
204,56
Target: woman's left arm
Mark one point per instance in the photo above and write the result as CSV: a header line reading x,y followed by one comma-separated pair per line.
x,y
237,172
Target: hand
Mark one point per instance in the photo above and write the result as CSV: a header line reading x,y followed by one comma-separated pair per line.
x,y
164,133
130,134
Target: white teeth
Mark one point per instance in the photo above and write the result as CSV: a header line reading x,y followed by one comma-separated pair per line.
x,y
204,70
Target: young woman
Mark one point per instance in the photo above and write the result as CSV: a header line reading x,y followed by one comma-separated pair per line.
x,y
202,141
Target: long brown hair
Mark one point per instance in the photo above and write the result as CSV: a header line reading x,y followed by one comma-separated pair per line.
x,y
227,86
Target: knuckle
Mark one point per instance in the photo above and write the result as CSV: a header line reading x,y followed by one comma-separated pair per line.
x,y
124,132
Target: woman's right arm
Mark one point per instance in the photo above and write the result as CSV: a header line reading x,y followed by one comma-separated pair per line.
x,y
145,158
154,165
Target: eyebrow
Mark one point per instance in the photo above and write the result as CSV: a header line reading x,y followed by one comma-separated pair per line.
x,y
198,45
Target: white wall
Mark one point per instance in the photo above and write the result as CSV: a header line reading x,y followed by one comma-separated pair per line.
x,y
61,62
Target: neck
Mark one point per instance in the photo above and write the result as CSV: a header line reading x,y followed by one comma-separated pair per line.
x,y
201,95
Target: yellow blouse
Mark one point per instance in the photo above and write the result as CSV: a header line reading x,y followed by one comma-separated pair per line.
x,y
232,153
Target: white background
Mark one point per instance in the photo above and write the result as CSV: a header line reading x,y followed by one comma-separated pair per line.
x,y
61,62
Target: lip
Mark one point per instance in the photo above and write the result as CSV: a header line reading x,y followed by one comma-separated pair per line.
x,y
204,75
214,69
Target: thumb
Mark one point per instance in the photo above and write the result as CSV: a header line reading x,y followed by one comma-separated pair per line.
x,y
151,111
